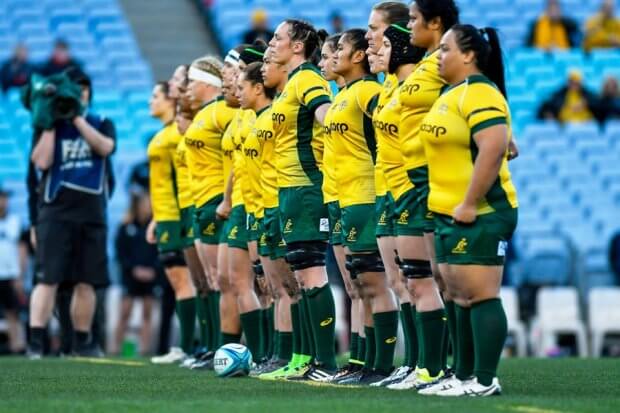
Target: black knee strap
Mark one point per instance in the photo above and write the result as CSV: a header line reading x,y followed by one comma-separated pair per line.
x,y
415,269
258,268
363,263
302,255
171,259
349,266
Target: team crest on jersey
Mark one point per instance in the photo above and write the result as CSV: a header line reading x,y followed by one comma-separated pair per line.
x,y
352,237
209,230
341,106
164,237
442,109
200,124
288,227
404,217
460,247
392,103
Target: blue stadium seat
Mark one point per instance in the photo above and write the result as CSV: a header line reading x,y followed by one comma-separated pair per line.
x,y
548,262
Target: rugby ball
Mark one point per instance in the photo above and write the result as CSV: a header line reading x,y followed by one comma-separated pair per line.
x,y
232,360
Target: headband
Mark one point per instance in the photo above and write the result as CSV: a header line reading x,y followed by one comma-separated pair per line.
x,y
252,54
402,50
202,76
232,57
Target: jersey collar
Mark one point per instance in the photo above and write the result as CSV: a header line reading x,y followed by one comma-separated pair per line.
x,y
303,66
262,110
477,78
366,77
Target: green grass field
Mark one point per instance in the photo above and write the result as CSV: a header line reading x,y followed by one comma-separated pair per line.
x,y
72,385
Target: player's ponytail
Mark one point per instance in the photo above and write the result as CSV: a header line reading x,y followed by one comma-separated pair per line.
x,y
357,39
302,31
485,45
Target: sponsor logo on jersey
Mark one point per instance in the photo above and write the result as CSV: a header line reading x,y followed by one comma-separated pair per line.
x,y
386,127
324,225
327,322
194,143
250,153
390,340
460,247
339,127
410,88
352,236
264,134
433,129
233,232
288,227
278,118
404,217
209,230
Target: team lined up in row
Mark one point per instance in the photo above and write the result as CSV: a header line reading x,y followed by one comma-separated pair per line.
x,y
407,181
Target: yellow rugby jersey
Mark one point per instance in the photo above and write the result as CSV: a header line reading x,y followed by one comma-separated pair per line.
x,y
252,152
268,172
241,181
387,126
354,143
228,151
299,137
162,182
184,181
203,140
417,95
330,193
389,83
447,132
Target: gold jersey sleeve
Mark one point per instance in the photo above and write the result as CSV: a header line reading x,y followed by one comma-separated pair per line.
x,y
417,95
228,151
252,151
203,140
330,193
162,184
268,172
299,137
389,83
354,143
447,133
184,179
387,128
241,180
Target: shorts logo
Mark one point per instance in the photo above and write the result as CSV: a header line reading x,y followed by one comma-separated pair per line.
x,y
327,322
282,243
337,228
461,247
255,226
209,230
263,240
190,233
233,232
430,215
404,218
288,227
352,237
164,238
324,225
383,219
390,340
501,248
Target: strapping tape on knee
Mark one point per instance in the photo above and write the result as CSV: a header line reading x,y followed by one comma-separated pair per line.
x,y
172,259
302,255
415,269
258,268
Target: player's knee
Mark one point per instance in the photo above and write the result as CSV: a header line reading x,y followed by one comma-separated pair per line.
x,y
171,259
303,255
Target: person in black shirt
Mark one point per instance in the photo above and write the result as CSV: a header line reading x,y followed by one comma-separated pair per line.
x,y
60,60
70,226
259,30
139,268
16,71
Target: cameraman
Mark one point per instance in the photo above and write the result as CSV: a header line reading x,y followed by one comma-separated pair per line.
x,y
71,229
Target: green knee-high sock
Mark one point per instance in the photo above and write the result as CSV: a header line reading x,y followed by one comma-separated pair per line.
x,y
416,342
186,311
386,329
353,347
361,349
432,327
285,351
489,328
203,316
227,338
306,335
445,339
371,349
451,315
275,352
271,330
214,306
406,318
251,323
323,318
464,343
295,321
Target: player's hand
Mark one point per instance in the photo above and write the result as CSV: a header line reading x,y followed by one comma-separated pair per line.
x,y
150,233
513,149
464,214
223,209
263,285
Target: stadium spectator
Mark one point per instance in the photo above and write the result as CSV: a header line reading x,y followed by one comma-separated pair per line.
x,y
139,268
610,100
614,256
60,60
337,23
259,28
552,30
16,71
603,29
572,103
10,283
71,218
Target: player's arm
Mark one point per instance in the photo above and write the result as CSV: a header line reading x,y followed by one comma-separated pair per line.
x,y
224,208
314,93
43,152
101,144
320,112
